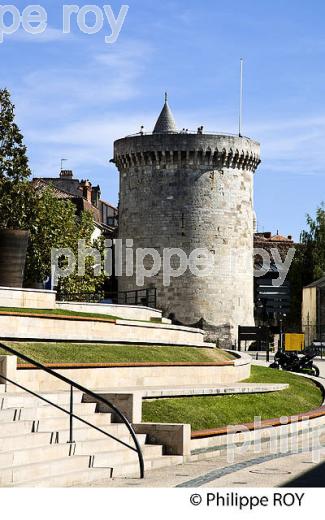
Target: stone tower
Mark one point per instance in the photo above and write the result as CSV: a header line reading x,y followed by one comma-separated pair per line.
x,y
192,190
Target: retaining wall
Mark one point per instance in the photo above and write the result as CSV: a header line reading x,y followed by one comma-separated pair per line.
x,y
118,377
138,375
44,299
60,328
27,298
128,312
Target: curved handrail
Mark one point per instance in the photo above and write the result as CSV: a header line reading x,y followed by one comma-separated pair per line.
x,y
81,388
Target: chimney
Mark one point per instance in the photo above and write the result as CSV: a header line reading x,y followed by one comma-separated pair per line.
x,y
86,188
66,174
289,237
95,196
268,234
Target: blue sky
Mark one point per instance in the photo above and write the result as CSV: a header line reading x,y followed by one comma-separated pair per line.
x,y
75,94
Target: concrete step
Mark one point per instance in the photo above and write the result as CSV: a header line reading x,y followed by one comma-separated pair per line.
x,y
16,442
118,463
71,479
33,455
52,424
83,434
13,389
104,444
11,400
15,428
119,457
87,440
87,433
104,447
39,470
40,412
100,475
132,469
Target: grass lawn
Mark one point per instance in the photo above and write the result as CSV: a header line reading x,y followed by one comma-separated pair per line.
x,y
58,312
214,411
95,353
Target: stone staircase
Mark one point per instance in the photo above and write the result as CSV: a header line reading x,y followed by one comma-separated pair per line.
x,y
34,448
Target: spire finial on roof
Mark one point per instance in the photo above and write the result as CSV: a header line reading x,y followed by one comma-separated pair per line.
x,y
165,122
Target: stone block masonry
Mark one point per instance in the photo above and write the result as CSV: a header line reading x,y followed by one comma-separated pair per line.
x,y
188,191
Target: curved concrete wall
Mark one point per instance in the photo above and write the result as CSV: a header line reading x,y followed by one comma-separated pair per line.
x,y
73,329
137,377
128,312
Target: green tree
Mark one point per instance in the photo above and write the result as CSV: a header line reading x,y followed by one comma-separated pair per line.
x,y
314,242
54,223
13,152
309,261
16,194
89,282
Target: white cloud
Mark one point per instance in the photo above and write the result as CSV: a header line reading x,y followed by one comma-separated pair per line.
x,y
75,110
86,81
51,34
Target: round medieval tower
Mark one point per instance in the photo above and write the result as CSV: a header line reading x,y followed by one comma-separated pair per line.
x,y
192,190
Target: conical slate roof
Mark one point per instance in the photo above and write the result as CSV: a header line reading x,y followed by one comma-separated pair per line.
x,y
165,122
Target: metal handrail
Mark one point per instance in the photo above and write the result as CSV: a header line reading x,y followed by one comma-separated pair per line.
x,y
72,415
122,297
190,132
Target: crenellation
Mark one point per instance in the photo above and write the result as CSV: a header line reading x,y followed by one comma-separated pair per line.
x,y
164,157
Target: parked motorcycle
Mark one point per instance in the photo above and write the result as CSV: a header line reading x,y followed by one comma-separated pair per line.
x,y
293,363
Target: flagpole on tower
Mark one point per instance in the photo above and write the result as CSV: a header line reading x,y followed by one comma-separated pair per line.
x,y
62,161
241,97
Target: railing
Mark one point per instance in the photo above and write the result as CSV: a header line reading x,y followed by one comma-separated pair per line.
x,y
98,398
145,297
191,132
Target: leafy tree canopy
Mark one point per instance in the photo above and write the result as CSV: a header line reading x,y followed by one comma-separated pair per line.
x,y
16,194
54,223
309,261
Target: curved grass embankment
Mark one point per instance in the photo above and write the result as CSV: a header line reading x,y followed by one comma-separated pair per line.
x,y
215,411
109,353
56,312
